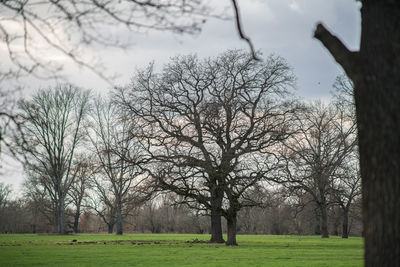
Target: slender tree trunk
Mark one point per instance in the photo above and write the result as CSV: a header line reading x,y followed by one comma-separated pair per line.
x,y
231,225
56,216
62,216
345,224
76,220
375,71
119,219
56,219
324,221
216,225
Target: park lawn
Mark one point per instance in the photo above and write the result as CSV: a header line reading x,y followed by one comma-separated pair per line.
x,y
174,250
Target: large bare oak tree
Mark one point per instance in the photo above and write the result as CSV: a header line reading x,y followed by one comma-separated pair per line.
x,y
209,127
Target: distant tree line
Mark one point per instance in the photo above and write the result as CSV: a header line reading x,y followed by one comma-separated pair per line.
x,y
207,146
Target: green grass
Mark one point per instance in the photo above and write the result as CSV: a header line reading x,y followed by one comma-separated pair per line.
x,y
173,250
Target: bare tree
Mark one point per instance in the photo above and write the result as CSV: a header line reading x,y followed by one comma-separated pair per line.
x,y
325,139
347,188
53,122
209,128
117,157
347,184
82,169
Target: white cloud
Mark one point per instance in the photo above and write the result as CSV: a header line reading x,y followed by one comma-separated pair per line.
x,y
294,5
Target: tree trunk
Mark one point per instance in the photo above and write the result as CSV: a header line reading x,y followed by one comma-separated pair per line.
x,y
216,225
324,221
110,227
231,223
378,115
56,227
375,71
317,226
76,221
62,216
56,217
345,225
335,227
119,219
216,228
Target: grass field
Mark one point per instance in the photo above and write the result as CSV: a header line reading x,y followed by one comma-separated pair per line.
x,y
175,250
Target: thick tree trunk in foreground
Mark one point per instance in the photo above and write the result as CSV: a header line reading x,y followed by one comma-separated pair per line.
x,y
216,225
377,94
375,71
231,223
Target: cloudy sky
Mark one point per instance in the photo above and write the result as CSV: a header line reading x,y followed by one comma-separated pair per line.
x,y
282,27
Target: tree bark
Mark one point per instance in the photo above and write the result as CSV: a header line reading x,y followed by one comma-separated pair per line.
x,y
216,228
335,228
62,216
76,221
378,115
216,225
119,219
345,225
375,71
317,226
324,221
56,219
231,223
110,228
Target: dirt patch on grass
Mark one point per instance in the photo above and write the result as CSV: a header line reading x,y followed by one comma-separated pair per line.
x,y
105,242
196,241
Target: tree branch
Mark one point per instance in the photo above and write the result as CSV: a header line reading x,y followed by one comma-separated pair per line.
x,y
240,30
338,50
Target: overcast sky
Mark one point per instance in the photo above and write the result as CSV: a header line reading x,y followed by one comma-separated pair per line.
x,y
282,27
